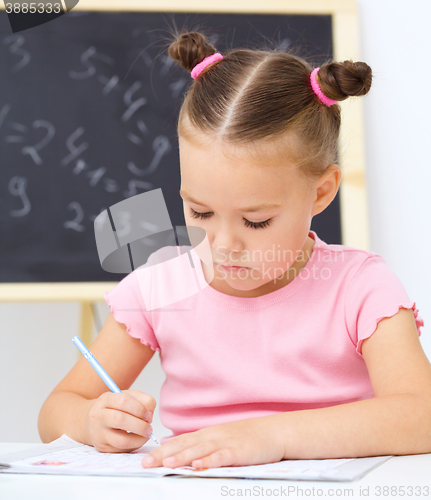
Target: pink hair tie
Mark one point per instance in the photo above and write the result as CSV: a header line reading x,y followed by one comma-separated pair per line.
x,y
197,70
318,90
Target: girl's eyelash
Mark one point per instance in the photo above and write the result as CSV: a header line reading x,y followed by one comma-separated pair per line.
x,y
256,225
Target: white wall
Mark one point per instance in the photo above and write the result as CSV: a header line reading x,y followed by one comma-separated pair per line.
x,y
35,342
395,43
36,352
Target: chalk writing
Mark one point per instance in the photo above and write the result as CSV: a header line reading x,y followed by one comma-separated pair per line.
x,y
17,187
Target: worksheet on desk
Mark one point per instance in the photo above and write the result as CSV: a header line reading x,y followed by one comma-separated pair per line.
x,y
66,456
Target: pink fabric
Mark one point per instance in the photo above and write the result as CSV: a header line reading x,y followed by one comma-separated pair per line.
x,y
230,358
318,91
197,70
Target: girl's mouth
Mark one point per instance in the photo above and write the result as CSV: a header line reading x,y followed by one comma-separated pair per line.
x,y
230,268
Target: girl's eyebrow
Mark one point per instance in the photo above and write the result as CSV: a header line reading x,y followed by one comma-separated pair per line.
x,y
257,208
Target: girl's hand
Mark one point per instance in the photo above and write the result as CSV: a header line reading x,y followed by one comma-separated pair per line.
x,y
113,414
244,442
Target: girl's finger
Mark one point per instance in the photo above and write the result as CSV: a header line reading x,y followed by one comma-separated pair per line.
x,y
155,458
220,458
148,401
115,419
181,457
122,442
127,404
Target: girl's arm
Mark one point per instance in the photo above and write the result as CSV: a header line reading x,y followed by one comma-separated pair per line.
x,y
77,399
397,421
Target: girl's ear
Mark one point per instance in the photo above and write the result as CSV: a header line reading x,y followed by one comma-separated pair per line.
x,y
326,188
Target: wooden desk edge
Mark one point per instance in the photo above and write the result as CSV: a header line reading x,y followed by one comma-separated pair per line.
x,y
55,292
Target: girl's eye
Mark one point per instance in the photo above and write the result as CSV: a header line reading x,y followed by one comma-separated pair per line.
x,y
199,215
256,225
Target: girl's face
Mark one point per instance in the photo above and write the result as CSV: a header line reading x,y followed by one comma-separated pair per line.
x,y
256,216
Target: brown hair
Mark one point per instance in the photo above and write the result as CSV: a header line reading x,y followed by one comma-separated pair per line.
x,y
256,96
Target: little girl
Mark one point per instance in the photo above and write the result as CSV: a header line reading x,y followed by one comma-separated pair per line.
x,y
292,348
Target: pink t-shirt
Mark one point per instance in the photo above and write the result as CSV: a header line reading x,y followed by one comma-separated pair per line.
x,y
229,358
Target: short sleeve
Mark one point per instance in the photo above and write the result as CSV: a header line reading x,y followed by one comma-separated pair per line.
x,y
374,292
127,306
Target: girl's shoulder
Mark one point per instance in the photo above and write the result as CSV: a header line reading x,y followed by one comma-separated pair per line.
x,y
342,256
370,287
322,246
164,265
167,277
356,269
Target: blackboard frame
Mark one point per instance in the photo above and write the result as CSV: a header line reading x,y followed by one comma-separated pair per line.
x,y
353,196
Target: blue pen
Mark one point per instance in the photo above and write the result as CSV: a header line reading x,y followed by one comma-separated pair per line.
x,y
113,387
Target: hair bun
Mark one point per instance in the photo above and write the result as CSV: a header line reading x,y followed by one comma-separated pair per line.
x,y
341,80
190,49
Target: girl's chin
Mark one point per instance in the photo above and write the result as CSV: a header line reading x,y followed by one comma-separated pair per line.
x,y
248,282
243,284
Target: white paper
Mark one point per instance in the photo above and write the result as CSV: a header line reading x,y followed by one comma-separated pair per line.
x,y
66,456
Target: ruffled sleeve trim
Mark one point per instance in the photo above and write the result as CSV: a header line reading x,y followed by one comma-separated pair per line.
x,y
410,305
133,334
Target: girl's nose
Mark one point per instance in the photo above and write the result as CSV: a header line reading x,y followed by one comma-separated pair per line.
x,y
225,241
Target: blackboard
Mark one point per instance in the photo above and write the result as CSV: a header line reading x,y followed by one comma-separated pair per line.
x,y
88,111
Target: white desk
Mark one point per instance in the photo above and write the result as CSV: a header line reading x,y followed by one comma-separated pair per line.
x,y
412,471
